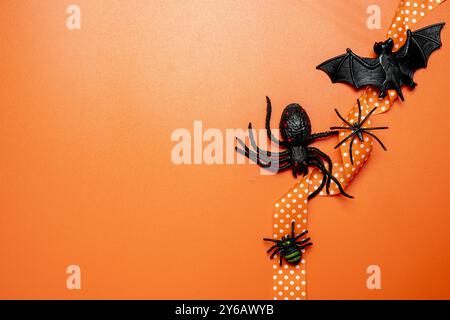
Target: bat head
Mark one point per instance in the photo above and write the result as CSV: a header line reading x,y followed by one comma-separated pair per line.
x,y
384,47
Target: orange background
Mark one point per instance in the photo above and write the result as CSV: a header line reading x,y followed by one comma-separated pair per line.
x,y
86,176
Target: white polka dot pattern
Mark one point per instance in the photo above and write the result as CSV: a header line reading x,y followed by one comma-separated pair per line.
x,y
289,282
408,14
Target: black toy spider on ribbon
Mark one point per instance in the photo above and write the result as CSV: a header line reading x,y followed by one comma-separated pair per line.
x,y
290,246
389,70
357,129
295,130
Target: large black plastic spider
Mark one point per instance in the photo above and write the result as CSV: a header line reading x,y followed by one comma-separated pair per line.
x,y
289,247
295,128
357,130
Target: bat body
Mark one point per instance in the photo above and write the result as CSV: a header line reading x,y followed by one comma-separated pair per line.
x,y
389,70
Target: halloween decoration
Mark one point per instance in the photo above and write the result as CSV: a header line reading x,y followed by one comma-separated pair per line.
x,y
290,246
289,281
295,129
389,70
357,130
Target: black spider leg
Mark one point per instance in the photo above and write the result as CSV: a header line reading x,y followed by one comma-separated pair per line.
x,y
277,248
361,123
330,164
359,111
272,166
350,149
269,131
320,166
321,186
275,252
273,247
303,241
351,135
303,244
264,152
321,135
303,247
375,137
342,118
316,136
276,245
292,230
366,130
358,130
300,235
326,178
251,155
256,158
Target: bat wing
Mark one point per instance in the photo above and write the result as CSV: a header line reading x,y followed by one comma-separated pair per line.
x,y
418,47
352,69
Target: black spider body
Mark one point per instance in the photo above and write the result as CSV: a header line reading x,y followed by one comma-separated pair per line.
x,y
295,128
295,131
295,124
290,247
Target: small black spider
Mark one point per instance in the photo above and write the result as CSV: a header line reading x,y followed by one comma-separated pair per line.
x,y
295,128
289,247
357,130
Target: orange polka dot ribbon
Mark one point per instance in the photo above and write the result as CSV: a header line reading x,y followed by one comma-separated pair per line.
x,y
289,281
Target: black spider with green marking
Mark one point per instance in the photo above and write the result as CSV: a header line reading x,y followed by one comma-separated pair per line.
x,y
290,246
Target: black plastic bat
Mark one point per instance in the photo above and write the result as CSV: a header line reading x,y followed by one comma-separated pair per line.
x,y
389,70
